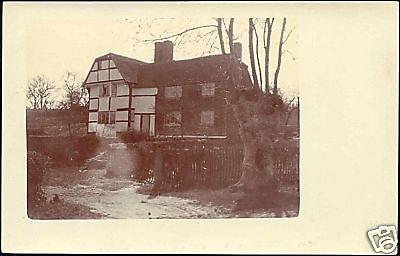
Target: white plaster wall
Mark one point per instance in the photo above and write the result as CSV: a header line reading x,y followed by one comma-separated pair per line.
x,y
119,102
144,91
136,123
106,130
121,115
144,104
94,91
121,126
122,89
92,127
93,104
103,104
93,116
152,125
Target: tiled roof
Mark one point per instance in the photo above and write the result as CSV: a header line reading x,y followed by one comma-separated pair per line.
x,y
204,69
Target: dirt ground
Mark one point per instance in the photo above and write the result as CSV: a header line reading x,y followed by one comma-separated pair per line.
x,y
121,198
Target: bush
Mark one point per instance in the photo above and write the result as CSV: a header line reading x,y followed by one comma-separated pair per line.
x,y
37,166
65,151
133,137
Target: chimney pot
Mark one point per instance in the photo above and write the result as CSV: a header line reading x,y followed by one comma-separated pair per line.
x,y
237,50
163,51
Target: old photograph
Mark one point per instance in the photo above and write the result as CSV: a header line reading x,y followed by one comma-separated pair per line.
x,y
200,127
163,118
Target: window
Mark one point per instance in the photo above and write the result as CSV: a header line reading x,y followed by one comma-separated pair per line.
x,y
173,118
173,92
112,64
105,90
112,117
208,89
207,118
106,117
114,90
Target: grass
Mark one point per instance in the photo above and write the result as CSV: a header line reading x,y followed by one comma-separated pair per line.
x,y
49,210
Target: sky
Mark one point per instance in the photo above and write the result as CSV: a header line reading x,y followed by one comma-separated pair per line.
x,y
61,40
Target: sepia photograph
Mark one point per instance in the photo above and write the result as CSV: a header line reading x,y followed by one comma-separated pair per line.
x,y
200,127
163,118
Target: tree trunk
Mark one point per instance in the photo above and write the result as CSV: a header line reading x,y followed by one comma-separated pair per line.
x,y
230,34
267,26
251,52
278,67
256,115
221,38
257,56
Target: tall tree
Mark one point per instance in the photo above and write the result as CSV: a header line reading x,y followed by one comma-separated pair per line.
x,y
278,66
257,56
267,44
251,53
220,35
230,34
39,93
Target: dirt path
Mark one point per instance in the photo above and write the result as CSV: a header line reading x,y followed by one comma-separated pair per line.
x,y
117,198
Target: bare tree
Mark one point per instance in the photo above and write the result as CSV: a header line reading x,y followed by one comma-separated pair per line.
x,y
220,35
282,41
257,56
267,44
39,93
251,53
75,93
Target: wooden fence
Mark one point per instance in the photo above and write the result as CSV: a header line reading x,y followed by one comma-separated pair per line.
x,y
220,166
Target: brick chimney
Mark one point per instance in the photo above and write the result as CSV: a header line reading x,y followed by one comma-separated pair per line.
x,y
237,50
163,51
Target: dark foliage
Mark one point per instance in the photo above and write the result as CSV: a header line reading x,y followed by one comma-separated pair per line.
x,y
65,151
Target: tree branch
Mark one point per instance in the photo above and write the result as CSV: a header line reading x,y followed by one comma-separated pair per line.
x,y
180,33
288,35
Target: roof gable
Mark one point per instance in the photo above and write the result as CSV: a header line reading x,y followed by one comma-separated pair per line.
x,y
127,67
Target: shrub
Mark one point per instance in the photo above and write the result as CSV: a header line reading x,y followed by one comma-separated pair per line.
x,y
37,166
133,137
66,150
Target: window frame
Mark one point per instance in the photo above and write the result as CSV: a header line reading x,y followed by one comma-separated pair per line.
x,y
167,122
106,117
207,124
205,89
176,95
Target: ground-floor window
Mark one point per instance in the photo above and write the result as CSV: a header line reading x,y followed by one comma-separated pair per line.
x,y
106,117
143,122
173,119
207,118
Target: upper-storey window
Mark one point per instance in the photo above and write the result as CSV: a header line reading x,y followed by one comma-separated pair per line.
x,y
173,92
208,89
107,90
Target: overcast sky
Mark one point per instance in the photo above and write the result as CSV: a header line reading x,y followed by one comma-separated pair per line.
x,y
64,39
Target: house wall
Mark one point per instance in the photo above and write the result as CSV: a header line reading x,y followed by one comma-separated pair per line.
x,y
191,104
119,102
